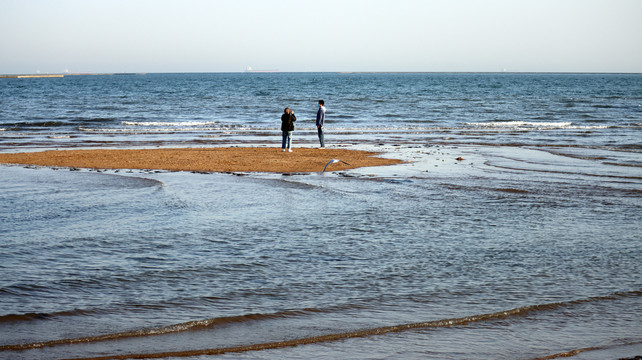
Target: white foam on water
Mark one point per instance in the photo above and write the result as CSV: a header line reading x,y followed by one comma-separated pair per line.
x,y
528,125
521,124
59,137
167,123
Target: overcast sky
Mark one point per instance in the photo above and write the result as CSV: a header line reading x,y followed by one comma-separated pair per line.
x,y
322,35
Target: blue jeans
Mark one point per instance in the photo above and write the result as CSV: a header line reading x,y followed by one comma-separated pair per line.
x,y
287,139
321,138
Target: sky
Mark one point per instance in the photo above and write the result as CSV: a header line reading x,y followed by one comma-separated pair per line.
x,y
323,35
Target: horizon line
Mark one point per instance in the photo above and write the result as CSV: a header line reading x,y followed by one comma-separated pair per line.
x,y
57,74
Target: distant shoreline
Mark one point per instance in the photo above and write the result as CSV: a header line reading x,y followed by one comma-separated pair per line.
x,y
33,76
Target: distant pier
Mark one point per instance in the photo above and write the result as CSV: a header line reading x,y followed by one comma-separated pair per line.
x,y
33,76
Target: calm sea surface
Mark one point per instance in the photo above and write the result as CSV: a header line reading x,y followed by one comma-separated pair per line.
x,y
528,247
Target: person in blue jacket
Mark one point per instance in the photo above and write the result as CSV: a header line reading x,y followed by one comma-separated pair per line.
x,y
320,122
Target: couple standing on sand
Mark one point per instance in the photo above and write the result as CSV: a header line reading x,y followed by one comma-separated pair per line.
x,y
287,126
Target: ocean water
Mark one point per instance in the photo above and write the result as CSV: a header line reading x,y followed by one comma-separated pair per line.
x,y
527,248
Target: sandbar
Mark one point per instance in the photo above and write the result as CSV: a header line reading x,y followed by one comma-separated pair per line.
x,y
227,159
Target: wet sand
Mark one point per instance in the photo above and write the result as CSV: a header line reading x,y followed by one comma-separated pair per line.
x,y
231,159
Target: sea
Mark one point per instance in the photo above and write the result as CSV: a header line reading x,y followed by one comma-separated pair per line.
x,y
513,229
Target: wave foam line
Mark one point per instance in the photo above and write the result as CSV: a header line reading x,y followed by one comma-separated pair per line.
x,y
176,328
521,124
579,351
488,163
311,340
526,125
517,312
167,123
209,323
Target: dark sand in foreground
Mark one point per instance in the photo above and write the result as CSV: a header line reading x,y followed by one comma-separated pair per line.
x,y
246,159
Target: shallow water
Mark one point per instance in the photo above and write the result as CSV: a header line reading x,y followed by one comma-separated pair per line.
x,y
524,249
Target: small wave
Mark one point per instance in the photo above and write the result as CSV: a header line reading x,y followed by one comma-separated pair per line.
x,y
161,130
512,190
26,124
622,164
14,318
420,121
488,163
525,311
109,107
208,323
526,125
385,128
124,131
578,100
574,352
176,328
97,120
521,124
167,123
587,127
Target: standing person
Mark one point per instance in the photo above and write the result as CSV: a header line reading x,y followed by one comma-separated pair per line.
x,y
320,122
287,127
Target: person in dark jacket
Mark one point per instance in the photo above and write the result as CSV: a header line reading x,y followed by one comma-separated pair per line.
x,y
287,127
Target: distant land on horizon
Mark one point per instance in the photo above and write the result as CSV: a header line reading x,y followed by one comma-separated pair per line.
x,y
60,75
